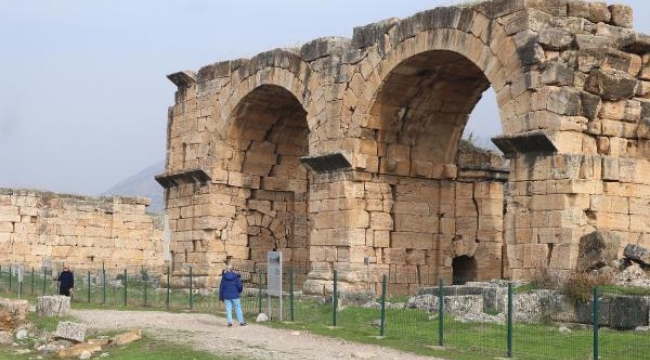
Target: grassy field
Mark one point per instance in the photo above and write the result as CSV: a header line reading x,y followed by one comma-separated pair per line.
x,y
145,349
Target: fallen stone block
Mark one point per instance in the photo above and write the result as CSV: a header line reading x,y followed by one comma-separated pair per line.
x,y
637,253
77,349
597,249
17,308
126,338
57,305
70,331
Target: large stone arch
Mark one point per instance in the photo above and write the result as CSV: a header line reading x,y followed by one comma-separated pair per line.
x,y
243,191
268,135
571,81
411,108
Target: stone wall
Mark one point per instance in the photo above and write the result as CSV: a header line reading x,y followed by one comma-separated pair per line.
x,y
43,230
377,118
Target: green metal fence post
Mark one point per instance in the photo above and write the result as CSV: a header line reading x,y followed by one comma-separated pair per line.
x,y
145,277
335,300
43,292
383,306
32,281
191,297
596,322
20,286
169,285
259,297
88,286
441,311
509,323
104,284
10,276
291,296
126,282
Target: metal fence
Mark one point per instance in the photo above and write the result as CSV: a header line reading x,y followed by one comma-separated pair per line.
x,y
498,333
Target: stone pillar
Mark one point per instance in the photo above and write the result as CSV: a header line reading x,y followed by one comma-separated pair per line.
x,y
338,234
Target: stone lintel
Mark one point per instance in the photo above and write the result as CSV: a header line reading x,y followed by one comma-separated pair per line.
x,y
184,177
326,163
482,172
182,79
531,142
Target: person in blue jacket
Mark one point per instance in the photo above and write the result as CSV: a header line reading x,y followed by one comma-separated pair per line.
x,y
229,290
66,281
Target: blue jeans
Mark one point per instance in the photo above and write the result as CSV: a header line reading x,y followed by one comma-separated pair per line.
x,y
229,304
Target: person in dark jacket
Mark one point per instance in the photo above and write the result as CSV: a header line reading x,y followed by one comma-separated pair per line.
x,y
229,290
66,281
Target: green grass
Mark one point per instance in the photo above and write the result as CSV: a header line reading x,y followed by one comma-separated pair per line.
x,y
624,290
145,349
405,329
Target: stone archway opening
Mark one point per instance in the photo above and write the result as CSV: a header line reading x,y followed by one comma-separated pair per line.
x,y
418,118
422,110
464,269
270,134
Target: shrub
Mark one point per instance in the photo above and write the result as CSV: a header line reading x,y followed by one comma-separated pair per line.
x,y
580,285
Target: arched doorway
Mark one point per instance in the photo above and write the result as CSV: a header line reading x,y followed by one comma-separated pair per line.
x,y
418,118
269,135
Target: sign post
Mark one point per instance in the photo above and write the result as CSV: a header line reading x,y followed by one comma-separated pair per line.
x,y
18,271
274,280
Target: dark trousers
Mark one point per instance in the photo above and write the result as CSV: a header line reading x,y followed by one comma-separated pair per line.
x,y
64,290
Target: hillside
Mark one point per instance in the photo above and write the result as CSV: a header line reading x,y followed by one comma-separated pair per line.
x,y
143,184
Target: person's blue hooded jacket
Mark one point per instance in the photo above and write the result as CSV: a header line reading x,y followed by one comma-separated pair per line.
x,y
231,286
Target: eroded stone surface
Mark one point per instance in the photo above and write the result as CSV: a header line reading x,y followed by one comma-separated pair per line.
x,y
394,101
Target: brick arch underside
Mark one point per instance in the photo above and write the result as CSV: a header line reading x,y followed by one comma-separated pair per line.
x,y
419,115
269,134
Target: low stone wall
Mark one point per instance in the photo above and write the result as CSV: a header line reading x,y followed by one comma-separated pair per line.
x,y
474,302
43,230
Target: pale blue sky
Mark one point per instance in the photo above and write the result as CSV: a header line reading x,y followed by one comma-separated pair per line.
x,y
84,97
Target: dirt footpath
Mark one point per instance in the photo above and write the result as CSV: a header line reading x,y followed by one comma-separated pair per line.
x,y
209,332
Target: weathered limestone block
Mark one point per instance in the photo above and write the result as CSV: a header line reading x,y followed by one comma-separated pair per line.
x,y
597,249
555,38
593,11
460,304
530,52
12,313
128,337
611,84
637,253
622,110
622,15
76,350
628,312
57,305
70,331
556,74
323,47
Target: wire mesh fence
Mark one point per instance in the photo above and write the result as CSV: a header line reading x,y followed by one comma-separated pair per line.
x,y
494,320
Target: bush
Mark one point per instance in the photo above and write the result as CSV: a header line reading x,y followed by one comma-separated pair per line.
x,y
580,285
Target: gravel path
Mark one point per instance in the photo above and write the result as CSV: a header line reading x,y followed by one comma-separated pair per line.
x,y
209,332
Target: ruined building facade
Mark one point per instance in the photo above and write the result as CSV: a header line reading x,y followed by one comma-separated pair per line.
x,y
42,230
343,154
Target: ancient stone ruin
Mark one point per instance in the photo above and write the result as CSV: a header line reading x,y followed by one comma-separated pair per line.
x,y
43,230
343,154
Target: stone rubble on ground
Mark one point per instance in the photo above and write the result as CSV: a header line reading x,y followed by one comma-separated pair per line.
x,y
69,339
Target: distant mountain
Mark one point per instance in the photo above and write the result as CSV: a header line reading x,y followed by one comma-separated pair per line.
x,y
143,184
